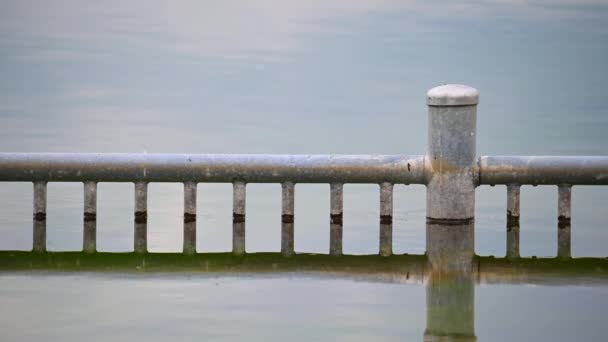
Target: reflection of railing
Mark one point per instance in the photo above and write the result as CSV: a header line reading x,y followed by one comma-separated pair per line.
x,y
398,268
450,170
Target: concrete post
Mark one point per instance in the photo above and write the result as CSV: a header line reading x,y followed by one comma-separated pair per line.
x,y
89,237
189,246
451,160
287,218
238,217
450,249
564,205
39,227
513,191
335,218
386,219
450,168
140,240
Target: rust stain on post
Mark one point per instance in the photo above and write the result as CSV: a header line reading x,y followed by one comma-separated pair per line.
x,y
287,218
238,218
39,216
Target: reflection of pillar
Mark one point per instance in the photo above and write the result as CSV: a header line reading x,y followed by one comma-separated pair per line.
x,y
450,292
450,308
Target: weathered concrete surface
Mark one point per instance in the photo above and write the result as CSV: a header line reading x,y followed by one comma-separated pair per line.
x,y
336,218
238,217
450,248
287,218
452,95
451,161
89,237
543,170
189,246
513,203
386,219
223,168
140,240
564,208
39,225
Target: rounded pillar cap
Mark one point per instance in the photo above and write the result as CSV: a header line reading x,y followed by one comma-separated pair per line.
x,y
452,95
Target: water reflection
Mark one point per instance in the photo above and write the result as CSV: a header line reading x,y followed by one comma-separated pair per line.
x,y
450,308
450,274
450,287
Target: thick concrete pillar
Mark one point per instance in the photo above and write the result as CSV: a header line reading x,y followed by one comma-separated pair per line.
x,y
451,156
450,248
450,168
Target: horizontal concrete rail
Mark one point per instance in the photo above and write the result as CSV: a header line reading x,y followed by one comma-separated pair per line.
x,y
268,168
544,170
252,168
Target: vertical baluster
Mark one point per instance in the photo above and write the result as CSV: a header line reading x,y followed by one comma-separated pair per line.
x,y
39,243
513,192
564,192
189,218
141,217
287,218
89,238
336,215
238,218
386,219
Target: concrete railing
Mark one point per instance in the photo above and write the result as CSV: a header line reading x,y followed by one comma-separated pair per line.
x,y
450,170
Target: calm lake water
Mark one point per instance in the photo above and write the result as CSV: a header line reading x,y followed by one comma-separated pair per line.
x,y
307,77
